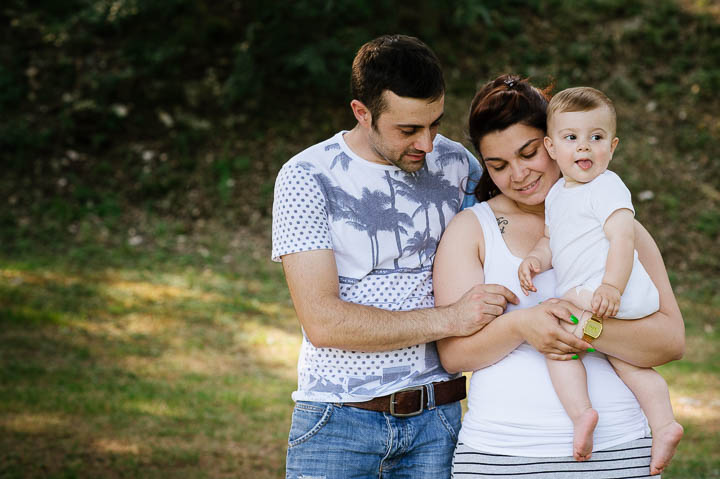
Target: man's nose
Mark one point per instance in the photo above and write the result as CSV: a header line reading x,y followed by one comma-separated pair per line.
x,y
424,142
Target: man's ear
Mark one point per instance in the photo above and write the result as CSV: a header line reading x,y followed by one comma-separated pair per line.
x,y
362,113
549,146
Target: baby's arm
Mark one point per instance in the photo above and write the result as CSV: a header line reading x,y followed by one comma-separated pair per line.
x,y
537,261
619,230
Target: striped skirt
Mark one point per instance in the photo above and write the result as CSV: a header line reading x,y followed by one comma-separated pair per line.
x,y
629,460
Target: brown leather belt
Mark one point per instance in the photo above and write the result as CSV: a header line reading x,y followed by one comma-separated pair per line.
x,y
412,401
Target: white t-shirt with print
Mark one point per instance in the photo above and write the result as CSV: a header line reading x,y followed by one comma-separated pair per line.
x,y
575,217
383,225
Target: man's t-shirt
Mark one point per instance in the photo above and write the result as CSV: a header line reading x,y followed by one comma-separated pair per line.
x,y
383,225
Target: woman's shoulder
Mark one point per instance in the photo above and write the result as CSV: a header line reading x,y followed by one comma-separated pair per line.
x,y
466,220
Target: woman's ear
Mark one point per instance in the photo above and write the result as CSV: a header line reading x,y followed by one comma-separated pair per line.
x,y
362,113
549,146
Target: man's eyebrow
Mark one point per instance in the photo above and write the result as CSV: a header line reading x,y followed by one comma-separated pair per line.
x,y
407,125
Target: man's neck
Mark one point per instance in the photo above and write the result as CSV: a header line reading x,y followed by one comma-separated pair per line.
x,y
356,140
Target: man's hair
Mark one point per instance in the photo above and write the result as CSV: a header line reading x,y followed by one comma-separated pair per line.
x,y
582,98
399,63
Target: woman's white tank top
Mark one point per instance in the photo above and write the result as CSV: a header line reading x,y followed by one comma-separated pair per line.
x,y
512,406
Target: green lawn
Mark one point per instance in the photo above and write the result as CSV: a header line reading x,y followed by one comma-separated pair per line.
x,y
176,358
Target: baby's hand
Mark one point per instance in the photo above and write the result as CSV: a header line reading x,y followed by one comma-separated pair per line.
x,y
528,268
606,301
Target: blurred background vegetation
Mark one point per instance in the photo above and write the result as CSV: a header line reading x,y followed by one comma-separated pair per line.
x,y
139,143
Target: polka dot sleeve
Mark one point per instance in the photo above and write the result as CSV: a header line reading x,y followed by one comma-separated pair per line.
x,y
300,220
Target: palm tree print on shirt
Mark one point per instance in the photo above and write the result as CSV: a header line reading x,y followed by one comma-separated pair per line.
x,y
369,213
421,244
376,211
448,154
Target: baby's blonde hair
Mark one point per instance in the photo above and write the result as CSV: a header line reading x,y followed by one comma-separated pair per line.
x,y
581,98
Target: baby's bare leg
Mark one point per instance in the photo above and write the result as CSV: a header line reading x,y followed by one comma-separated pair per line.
x,y
570,383
652,393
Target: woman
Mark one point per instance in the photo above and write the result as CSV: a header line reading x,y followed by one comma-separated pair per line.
x,y
515,423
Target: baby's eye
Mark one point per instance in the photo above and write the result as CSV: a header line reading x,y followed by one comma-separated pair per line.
x,y
596,137
570,137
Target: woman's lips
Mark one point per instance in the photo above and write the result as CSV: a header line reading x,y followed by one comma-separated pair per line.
x,y
529,188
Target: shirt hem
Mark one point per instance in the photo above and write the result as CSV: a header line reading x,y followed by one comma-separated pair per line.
x,y
554,450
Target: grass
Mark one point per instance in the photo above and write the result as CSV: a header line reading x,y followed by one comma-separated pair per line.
x,y
149,369
179,361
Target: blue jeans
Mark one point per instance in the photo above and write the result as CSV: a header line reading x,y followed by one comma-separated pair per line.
x,y
332,441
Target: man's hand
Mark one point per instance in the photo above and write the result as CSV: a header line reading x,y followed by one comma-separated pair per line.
x,y
541,328
478,306
606,301
527,270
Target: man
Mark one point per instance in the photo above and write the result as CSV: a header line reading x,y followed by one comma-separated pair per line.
x,y
356,221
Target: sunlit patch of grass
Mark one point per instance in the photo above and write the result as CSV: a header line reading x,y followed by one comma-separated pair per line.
x,y
115,446
32,423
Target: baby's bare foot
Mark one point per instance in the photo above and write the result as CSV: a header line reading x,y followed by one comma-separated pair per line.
x,y
664,443
583,435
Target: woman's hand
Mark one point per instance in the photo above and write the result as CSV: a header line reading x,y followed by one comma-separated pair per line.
x,y
540,327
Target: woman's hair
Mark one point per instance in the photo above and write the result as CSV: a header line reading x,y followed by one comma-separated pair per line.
x,y
399,63
500,104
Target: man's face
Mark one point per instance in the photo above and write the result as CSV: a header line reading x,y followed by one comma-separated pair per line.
x,y
404,132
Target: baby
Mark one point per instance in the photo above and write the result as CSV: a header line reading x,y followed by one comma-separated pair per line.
x,y
589,241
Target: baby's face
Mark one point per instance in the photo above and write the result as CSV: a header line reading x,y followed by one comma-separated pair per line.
x,y
582,143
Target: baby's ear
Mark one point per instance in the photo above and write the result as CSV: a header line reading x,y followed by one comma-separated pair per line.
x,y
550,147
614,144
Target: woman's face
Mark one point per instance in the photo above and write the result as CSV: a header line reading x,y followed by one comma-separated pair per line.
x,y
518,163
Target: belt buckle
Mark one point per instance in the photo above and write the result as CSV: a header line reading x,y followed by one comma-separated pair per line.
x,y
410,414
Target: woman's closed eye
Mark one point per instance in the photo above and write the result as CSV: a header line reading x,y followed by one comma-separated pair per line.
x,y
529,154
495,165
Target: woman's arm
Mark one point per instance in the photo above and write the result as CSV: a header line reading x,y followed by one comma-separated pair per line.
x,y
658,338
457,266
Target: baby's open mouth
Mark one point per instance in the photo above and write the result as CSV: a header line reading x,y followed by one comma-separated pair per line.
x,y
585,164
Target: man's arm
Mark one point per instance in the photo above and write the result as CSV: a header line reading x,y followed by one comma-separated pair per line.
x,y
331,322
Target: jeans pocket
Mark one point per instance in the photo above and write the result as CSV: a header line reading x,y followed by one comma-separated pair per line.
x,y
307,420
450,415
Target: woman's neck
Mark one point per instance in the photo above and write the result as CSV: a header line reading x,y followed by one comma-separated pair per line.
x,y
538,210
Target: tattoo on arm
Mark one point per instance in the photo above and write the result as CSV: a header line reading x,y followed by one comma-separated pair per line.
x,y
501,221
